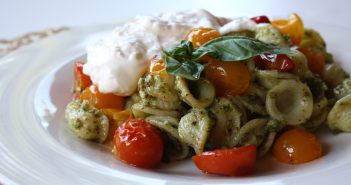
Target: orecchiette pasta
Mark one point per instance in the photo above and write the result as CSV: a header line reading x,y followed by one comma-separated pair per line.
x,y
319,114
158,91
86,121
268,34
194,128
339,117
343,89
202,95
270,78
333,74
301,68
175,149
141,111
290,101
253,99
228,118
251,133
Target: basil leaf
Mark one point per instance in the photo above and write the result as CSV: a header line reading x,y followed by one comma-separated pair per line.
x,y
182,51
236,48
188,69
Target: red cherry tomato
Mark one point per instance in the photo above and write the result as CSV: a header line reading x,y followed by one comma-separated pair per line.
x,y
81,80
261,19
230,162
138,143
275,62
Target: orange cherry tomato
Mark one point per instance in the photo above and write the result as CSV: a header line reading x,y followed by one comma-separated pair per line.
x,y
100,100
199,36
297,146
271,62
157,66
315,58
81,80
230,162
138,143
229,78
293,27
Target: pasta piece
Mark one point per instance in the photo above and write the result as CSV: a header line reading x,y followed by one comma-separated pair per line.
x,y
270,35
141,111
319,114
135,98
260,132
301,68
194,129
290,101
86,121
343,89
202,96
228,119
251,133
253,99
333,75
317,87
339,117
174,149
158,91
270,78
267,144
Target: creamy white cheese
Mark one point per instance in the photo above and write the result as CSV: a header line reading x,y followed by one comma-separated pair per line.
x,y
238,24
116,62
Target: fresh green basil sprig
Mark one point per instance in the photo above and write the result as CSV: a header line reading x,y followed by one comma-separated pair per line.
x,y
182,60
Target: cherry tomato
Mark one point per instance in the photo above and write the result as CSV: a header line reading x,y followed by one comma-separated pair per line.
x,y
230,162
293,27
229,78
199,36
138,143
100,100
157,66
297,146
315,58
274,62
261,19
81,80
116,117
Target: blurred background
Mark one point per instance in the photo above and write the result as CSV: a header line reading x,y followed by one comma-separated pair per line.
x,y
18,17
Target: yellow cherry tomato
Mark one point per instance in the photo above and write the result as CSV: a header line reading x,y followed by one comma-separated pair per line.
x,y
293,27
297,146
199,36
229,78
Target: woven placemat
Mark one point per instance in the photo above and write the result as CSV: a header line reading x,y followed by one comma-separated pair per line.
x,y
7,46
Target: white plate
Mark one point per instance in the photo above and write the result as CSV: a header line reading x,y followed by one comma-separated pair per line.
x,y
36,147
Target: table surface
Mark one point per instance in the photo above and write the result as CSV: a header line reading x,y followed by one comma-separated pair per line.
x,y
18,17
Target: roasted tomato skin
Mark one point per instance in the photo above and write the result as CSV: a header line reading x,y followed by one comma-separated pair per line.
x,y
292,27
296,146
228,162
199,36
138,143
261,19
281,63
229,78
81,80
102,100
